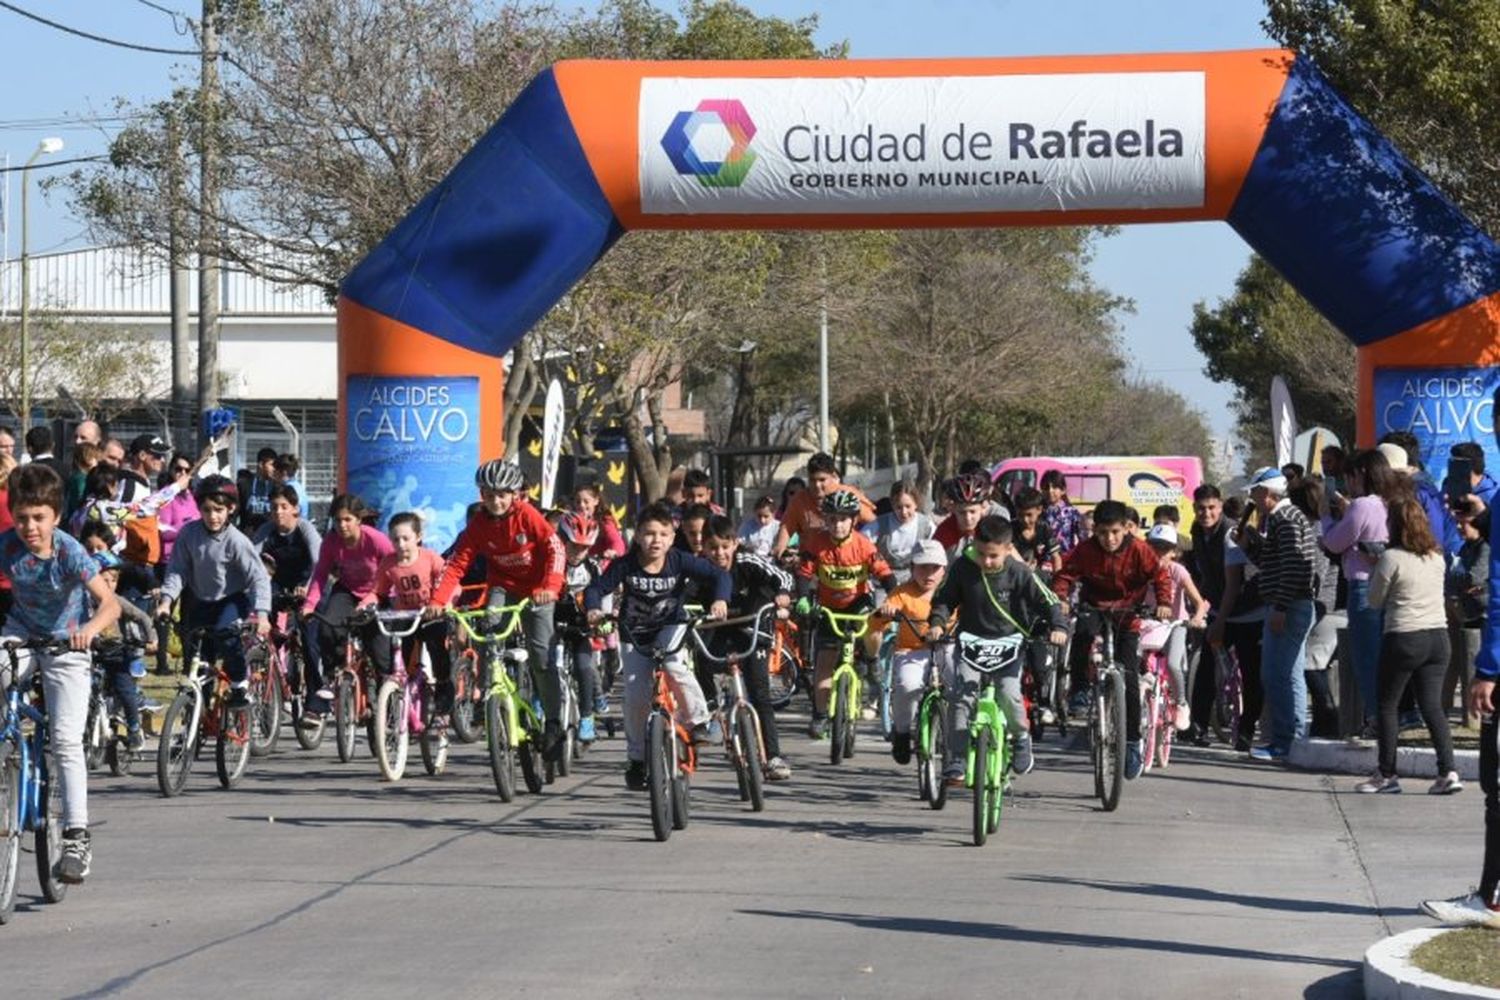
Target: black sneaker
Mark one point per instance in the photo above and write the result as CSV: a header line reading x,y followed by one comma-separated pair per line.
x,y
442,698
817,727
635,775
552,739
1242,744
901,747
239,698
1021,759
136,740
77,853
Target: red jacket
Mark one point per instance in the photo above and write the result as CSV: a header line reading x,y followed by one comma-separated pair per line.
x,y
522,554
1113,579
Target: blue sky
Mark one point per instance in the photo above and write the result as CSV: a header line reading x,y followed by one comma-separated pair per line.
x,y
46,75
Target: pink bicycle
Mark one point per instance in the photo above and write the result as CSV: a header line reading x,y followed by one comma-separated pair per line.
x,y
403,705
1159,709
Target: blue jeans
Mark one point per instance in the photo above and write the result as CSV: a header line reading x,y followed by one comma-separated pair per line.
x,y
1366,624
1283,658
221,614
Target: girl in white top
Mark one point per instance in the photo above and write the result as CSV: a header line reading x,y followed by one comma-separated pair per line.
x,y
896,534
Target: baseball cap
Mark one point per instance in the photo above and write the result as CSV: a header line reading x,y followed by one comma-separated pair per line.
x,y
150,442
929,553
1395,455
1270,478
1164,533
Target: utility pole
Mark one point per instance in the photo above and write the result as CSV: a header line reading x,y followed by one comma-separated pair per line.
x,y
182,378
208,217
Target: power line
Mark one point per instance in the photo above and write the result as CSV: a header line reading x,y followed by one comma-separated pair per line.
x,y
49,164
96,38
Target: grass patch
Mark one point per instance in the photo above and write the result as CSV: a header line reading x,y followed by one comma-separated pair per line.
x,y
1470,955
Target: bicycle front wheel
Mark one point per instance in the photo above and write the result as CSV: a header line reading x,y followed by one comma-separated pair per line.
x,y
232,748
10,833
502,752
49,835
1150,720
660,768
265,711
392,738
935,754
465,691
434,740
96,733
343,717
840,721
176,747
981,746
747,758
1109,767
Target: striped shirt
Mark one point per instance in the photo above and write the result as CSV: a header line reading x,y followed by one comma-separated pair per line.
x,y
1287,558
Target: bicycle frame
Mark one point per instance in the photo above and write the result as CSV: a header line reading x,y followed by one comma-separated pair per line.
x,y
501,684
31,749
413,683
986,713
207,723
739,703
849,628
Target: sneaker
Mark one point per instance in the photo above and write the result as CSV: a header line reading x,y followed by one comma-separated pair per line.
x,y
601,705
635,775
1134,760
326,693
1048,716
1184,717
135,740
586,731
953,775
778,770
708,733
1268,753
442,698
868,714
1078,703
1446,785
239,698
817,727
901,747
1242,744
1021,760
1462,911
1377,784
77,852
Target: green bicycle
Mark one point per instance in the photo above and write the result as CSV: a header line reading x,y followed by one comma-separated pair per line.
x,y
844,694
987,768
512,725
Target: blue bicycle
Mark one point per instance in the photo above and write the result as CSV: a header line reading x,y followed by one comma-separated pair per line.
x,y
30,794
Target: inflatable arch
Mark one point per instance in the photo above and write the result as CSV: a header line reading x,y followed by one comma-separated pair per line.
x,y
590,150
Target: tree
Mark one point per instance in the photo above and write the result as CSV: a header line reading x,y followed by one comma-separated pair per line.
x,y
105,369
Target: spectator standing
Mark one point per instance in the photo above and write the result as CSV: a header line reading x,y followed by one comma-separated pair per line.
x,y
1205,563
258,491
1328,620
1481,483
143,465
1407,582
1241,627
114,452
41,448
1062,519
8,444
88,432
1466,589
85,457
182,509
1404,452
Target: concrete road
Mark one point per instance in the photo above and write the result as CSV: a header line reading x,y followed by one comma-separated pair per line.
x,y
1217,877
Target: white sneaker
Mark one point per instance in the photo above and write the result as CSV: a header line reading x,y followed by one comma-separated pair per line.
x,y
1378,783
1184,716
1446,785
1462,911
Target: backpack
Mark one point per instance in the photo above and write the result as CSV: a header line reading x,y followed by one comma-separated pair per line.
x,y
142,540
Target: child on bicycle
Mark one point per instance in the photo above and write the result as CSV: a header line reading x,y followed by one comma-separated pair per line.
x,y
1113,570
53,580
404,581
842,562
580,534
756,582
348,561
969,500
655,577
913,599
995,595
124,665
215,563
1164,541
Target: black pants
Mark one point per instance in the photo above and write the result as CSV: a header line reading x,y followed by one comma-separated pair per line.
x,y
1244,639
757,676
1127,654
1325,714
1420,657
1489,780
433,635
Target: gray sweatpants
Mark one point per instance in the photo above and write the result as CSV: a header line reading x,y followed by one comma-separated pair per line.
x,y
962,688
65,685
536,620
636,665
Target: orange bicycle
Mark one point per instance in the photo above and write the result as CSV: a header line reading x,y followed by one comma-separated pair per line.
x,y
671,757
351,688
785,663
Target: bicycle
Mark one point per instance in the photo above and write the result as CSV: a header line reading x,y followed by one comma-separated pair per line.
x,y
1107,713
566,638
671,757
196,715
288,668
785,664
106,736
30,792
844,690
403,705
744,741
351,698
469,682
506,707
1158,708
1229,697
987,764
885,658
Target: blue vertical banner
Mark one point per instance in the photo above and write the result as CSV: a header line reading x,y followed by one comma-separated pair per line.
x,y
1442,407
413,445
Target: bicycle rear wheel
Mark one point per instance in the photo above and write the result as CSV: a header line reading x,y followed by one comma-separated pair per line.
x,y
502,753
96,733
1150,710
49,835
10,832
782,672
981,747
747,758
1109,770
659,771
434,739
677,754
343,716
265,710
392,738
465,691
838,721
232,748
176,747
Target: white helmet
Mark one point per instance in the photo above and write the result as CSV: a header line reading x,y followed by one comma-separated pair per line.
x,y
500,475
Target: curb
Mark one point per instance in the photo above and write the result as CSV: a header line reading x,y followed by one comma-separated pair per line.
x,y
1344,758
1389,976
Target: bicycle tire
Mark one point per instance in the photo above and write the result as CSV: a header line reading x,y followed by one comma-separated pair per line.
x,y
392,738
532,764
565,752
659,776
1164,742
95,733
309,728
851,727
680,788
981,750
49,835
10,833
1061,680
465,688
232,747
343,717
502,753
175,748
938,727
783,683
1110,774
1150,705
747,758
118,758
838,721
265,712
434,739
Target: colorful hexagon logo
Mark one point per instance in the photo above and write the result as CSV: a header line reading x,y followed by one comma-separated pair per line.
x,y
732,169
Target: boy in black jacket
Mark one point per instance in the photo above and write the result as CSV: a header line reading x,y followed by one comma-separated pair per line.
x,y
995,595
756,582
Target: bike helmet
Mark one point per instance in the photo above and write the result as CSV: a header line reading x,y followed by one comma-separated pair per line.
x,y
580,529
219,488
973,487
843,503
106,559
500,475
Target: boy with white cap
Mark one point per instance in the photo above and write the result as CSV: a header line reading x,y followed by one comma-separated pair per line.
x,y
914,600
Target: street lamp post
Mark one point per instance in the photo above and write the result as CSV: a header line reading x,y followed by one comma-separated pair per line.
x,y
46,147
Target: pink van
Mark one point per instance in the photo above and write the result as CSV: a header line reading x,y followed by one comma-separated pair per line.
x,y
1140,481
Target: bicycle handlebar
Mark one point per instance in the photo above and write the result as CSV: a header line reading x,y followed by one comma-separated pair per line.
x,y
507,615
383,618
756,634
837,620
233,630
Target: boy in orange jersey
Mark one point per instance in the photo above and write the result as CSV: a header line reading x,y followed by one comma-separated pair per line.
x,y
842,561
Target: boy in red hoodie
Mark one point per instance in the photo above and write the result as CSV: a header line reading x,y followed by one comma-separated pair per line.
x,y
1113,570
524,558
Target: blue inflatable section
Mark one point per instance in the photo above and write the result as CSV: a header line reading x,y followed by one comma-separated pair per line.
x,y
1348,221
501,239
